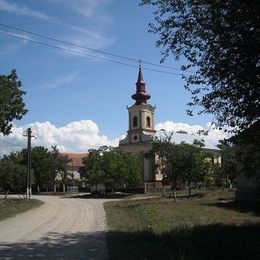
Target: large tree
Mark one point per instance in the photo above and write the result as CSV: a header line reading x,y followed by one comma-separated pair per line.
x,y
220,41
111,167
181,162
12,105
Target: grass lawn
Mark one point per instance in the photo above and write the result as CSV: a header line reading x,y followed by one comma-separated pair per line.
x,y
209,225
11,207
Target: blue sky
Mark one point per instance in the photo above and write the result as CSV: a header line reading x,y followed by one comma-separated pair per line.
x,y
67,90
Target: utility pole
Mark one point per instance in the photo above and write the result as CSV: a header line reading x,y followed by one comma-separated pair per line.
x,y
29,188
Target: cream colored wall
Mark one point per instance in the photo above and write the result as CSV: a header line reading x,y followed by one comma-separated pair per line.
x,y
141,112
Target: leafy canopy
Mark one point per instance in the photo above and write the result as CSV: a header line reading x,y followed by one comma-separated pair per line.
x,y
11,101
183,162
111,167
221,42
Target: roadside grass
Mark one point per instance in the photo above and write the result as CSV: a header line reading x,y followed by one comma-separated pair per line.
x,y
11,207
209,225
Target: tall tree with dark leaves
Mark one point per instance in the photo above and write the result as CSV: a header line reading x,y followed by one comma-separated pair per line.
x,y
12,105
220,41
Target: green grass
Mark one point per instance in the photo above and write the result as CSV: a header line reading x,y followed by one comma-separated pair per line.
x,y
209,225
11,207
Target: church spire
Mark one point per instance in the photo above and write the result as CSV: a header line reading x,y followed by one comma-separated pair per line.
x,y
141,96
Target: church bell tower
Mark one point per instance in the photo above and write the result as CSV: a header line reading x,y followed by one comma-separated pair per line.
x,y
141,129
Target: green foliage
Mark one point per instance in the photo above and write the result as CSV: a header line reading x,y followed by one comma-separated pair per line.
x,y
113,168
181,162
59,163
246,148
12,173
45,164
220,41
11,101
93,167
227,171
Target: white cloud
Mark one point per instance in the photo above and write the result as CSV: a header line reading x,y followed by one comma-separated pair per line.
x,y
23,10
61,81
211,139
85,42
87,8
173,126
91,38
77,136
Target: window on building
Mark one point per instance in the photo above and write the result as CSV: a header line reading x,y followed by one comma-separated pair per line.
x,y
148,121
135,121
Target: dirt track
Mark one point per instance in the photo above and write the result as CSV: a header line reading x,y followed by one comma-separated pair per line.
x,y
62,228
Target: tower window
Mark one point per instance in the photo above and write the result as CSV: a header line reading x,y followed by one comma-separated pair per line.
x,y
135,121
148,121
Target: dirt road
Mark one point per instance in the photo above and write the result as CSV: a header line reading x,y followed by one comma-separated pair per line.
x,y
62,228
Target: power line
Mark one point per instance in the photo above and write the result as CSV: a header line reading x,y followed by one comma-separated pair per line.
x,y
10,143
86,54
92,49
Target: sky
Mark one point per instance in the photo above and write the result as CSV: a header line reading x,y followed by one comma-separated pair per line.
x,y
76,100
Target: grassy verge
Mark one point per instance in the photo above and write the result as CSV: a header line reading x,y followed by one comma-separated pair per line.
x,y
11,207
207,226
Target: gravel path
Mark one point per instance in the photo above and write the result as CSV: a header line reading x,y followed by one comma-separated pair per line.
x,y
62,228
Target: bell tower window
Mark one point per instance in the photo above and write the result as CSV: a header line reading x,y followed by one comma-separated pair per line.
x,y
135,121
148,122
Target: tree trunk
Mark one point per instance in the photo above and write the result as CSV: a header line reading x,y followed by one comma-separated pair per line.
x,y
38,188
6,194
54,188
189,185
163,191
174,190
63,187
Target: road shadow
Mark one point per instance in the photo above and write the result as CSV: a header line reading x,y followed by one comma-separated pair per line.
x,y
242,207
58,246
102,196
212,242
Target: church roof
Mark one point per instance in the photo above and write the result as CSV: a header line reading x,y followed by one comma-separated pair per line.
x,y
177,138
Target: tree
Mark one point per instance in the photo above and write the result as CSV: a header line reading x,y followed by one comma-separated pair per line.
x,y
11,101
220,41
166,151
246,151
111,167
181,162
93,168
227,171
121,169
59,165
192,163
12,173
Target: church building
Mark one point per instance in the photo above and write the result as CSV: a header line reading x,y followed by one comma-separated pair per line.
x,y
141,131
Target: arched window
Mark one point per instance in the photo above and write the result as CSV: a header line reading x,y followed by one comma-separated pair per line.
x,y
148,121
135,121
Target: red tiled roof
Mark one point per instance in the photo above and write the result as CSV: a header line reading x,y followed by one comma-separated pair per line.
x,y
75,158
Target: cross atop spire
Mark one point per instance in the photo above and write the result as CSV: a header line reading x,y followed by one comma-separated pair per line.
x,y
141,96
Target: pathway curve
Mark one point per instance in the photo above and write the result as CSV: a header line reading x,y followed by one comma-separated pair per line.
x,y
62,228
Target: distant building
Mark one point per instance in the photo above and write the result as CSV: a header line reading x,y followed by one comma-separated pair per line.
x,y
141,131
76,161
